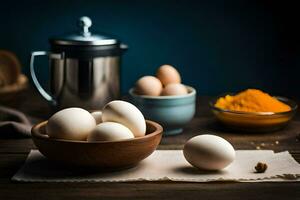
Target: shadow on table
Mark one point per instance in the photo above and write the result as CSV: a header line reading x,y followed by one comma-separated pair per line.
x,y
213,126
195,171
48,168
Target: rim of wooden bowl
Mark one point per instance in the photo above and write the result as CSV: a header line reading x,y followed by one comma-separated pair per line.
x,y
36,133
21,84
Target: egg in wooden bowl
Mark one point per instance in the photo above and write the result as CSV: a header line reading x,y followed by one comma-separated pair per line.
x,y
72,137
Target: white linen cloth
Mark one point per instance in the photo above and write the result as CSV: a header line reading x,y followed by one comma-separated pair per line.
x,y
168,165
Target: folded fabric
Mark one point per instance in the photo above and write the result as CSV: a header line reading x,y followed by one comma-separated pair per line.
x,y
13,123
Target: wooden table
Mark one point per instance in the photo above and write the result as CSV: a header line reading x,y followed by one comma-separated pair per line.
x,y
13,153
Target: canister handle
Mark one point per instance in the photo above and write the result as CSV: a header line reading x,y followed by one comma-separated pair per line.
x,y
37,84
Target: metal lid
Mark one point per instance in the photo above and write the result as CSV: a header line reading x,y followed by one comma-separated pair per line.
x,y
84,36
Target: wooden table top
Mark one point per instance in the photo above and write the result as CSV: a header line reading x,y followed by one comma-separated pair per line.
x,y
13,153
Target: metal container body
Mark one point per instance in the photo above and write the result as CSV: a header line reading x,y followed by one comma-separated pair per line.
x,y
84,69
89,84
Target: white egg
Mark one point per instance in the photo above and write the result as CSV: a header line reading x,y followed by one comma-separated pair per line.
x,y
110,131
127,114
209,152
70,124
98,116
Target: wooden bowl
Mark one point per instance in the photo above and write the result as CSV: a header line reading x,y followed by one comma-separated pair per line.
x,y
9,93
10,68
107,155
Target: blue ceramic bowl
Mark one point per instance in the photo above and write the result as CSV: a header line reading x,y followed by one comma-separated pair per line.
x,y
172,112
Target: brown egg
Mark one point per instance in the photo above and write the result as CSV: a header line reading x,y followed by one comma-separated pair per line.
x,y
174,89
148,85
168,74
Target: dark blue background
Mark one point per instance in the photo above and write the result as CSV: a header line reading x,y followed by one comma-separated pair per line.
x,y
217,46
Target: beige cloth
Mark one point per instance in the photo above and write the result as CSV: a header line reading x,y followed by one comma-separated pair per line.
x,y
169,165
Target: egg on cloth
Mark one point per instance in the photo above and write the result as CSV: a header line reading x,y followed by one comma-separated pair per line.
x,y
126,114
70,124
97,116
174,89
110,131
148,85
209,152
168,74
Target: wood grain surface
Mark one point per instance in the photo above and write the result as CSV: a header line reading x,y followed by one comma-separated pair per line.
x,y
13,153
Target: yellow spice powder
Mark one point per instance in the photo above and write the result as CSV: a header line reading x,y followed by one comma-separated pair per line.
x,y
251,100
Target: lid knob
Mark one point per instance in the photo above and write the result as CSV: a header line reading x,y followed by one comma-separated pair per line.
x,y
85,23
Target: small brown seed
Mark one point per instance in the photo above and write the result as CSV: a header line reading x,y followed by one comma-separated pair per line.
x,y
261,167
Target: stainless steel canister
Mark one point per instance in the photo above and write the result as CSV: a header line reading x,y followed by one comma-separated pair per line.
x,y
84,69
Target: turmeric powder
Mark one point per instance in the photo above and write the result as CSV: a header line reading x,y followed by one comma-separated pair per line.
x,y
252,100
